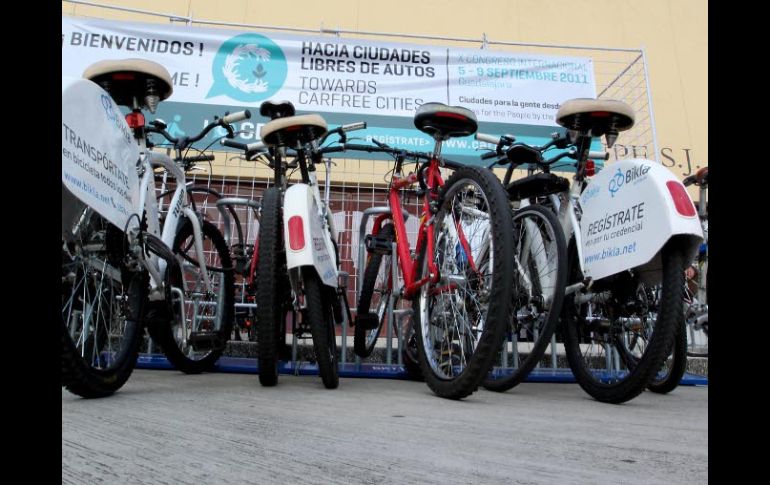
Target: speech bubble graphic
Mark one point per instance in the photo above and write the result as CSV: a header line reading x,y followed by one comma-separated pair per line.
x,y
248,68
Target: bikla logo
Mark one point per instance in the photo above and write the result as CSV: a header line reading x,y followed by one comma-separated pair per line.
x,y
248,68
620,179
109,112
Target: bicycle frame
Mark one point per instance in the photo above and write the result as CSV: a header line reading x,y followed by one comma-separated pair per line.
x,y
179,205
408,265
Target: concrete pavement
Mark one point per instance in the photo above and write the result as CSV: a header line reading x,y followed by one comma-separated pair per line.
x,y
165,427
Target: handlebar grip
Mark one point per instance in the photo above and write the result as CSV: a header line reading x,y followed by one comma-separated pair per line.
x,y
493,140
489,155
361,125
199,158
233,144
599,155
689,181
256,146
235,117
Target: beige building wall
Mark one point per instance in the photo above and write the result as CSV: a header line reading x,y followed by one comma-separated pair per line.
x,y
674,34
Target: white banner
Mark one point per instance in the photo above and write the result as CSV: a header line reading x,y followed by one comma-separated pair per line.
x,y
332,74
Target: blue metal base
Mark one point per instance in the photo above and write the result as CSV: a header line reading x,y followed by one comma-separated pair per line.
x,y
371,371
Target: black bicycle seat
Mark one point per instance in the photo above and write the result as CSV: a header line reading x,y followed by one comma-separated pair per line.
x,y
131,79
600,116
443,122
278,109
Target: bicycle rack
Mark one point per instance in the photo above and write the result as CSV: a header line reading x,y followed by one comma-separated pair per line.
x,y
394,268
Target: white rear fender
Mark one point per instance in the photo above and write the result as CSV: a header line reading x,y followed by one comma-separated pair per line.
x,y
99,153
631,209
307,242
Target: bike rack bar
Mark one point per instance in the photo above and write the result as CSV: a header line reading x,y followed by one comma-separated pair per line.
x,y
362,261
553,351
225,201
391,302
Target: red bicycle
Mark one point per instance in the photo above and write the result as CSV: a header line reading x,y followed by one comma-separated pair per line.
x,y
460,293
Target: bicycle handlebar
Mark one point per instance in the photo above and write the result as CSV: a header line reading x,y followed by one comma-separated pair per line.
x,y
236,117
159,127
246,147
493,140
198,158
599,155
361,125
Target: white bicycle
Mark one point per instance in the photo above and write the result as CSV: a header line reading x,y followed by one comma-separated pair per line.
x,y
297,256
630,227
120,268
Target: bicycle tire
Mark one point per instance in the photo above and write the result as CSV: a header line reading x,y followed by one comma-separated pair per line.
x,y
611,386
364,340
174,336
272,285
543,257
320,318
438,354
409,354
98,365
670,375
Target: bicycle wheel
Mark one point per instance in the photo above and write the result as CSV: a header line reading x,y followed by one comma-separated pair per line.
x,y
410,356
102,304
272,287
320,317
668,377
375,292
461,318
633,343
596,324
540,255
202,320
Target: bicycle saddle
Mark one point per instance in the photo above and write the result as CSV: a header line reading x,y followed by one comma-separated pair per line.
x,y
279,109
293,131
128,79
600,116
443,122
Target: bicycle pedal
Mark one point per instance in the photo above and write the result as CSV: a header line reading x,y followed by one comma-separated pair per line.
x,y
205,341
378,245
284,352
157,313
368,321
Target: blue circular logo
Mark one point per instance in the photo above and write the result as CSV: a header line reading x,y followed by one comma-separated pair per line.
x,y
249,68
616,182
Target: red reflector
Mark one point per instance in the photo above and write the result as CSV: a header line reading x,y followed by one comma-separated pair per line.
x,y
682,201
590,168
444,114
135,119
600,114
296,233
123,76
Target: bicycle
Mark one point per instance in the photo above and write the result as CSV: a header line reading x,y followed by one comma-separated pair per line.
x,y
692,333
603,309
456,279
296,266
120,271
540,254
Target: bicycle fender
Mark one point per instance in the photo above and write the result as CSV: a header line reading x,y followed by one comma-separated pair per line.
x,y
99,153
307,242
630,210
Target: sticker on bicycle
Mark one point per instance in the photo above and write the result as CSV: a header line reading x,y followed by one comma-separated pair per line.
x,y
98,152
629,212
